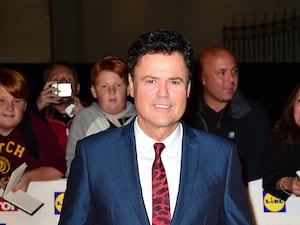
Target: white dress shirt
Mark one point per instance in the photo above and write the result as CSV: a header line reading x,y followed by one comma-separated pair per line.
x,y
171,157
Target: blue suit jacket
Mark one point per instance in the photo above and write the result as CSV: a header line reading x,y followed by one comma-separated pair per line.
x,y
104,186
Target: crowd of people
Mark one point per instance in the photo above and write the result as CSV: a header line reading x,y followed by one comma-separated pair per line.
x,y
215,138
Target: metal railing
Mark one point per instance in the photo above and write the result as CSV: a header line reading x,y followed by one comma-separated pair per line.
x,y
275,41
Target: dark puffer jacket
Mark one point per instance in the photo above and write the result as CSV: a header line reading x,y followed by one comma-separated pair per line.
x,y
245,122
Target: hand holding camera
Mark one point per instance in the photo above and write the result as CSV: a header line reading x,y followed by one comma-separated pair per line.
x,y
53,92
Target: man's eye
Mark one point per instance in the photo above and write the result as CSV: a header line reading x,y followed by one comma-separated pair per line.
x,y
55,78
221,72
150,81
235,71
175,82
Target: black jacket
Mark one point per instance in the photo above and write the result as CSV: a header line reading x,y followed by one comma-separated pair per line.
x,y
282,160
244,121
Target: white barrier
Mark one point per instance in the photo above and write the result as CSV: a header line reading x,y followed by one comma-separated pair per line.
x,y
267,210
49,192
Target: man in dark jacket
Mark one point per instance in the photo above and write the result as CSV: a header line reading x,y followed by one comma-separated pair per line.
x,y
220,108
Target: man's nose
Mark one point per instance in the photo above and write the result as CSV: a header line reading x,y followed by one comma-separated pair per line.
x,y
162,89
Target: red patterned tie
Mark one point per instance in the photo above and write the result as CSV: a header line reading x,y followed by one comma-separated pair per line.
x,y
160,191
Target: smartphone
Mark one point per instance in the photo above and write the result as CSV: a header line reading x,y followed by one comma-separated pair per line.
x,y
64,89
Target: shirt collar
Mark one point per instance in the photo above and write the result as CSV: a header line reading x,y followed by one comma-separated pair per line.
x,y
143,141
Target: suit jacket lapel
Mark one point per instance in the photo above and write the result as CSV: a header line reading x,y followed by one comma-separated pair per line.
x,y
189,164
128,161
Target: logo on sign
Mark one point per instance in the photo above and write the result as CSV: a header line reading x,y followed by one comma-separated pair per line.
x,y
6,207
58,201
272,203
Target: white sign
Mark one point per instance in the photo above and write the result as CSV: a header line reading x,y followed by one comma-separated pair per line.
x,y
269,210
51,193
266,209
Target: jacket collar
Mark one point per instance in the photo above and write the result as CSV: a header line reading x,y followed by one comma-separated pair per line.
x,y
237,108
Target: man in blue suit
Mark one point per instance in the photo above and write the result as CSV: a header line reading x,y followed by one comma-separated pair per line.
x,y
110,179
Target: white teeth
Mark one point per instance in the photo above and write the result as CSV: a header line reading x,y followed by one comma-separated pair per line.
x,y
162,106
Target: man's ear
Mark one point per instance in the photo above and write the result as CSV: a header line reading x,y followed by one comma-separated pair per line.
x,y
189,88
25,106
131,85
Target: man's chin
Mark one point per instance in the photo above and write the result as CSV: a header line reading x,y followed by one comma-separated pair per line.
x,y
228,96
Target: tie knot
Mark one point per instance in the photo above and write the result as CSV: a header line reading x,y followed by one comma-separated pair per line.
x,y
158,147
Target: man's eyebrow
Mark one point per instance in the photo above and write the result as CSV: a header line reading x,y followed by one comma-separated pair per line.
x,y
176,78
147,76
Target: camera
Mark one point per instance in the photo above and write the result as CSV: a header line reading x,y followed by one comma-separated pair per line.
x,y
64,89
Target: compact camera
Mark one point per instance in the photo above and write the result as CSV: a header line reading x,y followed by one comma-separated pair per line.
x,y
64,89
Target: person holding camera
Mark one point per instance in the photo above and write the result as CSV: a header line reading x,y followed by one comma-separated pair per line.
x,y
58,102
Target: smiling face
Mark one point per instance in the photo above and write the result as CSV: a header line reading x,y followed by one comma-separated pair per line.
x,y
110,90
11,111
160,87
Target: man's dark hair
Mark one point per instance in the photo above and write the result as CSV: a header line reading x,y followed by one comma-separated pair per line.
x,y
166,41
